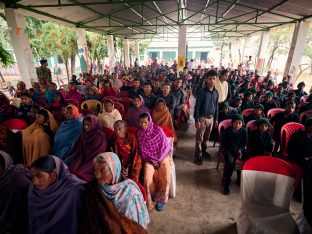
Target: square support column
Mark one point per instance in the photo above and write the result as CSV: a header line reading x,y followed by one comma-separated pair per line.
x,y
82,49
265,38
21,46
296,48
111,52
137,51
181,47
127,52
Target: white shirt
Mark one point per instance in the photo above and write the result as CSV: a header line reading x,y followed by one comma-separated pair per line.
x,y
223,90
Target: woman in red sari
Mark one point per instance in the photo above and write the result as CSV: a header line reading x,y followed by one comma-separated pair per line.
x,y
125,145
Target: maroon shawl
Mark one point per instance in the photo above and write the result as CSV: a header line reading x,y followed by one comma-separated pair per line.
x,y
86,148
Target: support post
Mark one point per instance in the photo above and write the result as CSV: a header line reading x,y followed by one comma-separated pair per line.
x,y
21,46
296,48
127,52
265,37
111,52
82,49
137,51
181,47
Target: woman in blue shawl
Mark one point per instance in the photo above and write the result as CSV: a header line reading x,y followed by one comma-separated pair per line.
x,y
68,132
125,195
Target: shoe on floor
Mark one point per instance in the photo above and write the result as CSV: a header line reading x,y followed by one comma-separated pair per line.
x,y
160,206
207,155
198,160
227,190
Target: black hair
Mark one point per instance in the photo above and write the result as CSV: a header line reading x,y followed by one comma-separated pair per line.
x,y
146,83
2,162
45,163
210,73
137,96
144,115
109,101
26,94
44,113
223,72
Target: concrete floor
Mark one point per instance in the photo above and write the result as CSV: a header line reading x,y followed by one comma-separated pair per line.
x,y
199,206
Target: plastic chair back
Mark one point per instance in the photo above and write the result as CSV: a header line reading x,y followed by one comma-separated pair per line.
x,y
126,102
122,94
15,124
73,102
304,98
286,132
93,105
272,112
247,112
222,126
114,99
305,115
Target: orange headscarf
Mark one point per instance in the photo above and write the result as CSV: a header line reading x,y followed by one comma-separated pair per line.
x,y
75,110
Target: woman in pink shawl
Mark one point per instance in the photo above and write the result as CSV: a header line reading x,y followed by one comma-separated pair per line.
x,y
91,143
135,111
155,152
73,93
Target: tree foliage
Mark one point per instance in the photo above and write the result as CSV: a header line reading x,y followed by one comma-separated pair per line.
x,y
279,43
97,46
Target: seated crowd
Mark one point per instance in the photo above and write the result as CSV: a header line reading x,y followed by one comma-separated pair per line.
x,y
95,156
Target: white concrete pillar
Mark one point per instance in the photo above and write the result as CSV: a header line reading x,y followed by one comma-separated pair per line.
x,y
296,48
265,38
137,51
82,49
127,52
181,47
111,52
235,56
21,46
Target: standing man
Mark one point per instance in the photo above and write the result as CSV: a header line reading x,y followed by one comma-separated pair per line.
x,y
58,74
205,115
44,73
223,87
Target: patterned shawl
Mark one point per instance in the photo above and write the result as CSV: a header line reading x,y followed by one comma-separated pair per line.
x,y
126,195
153,144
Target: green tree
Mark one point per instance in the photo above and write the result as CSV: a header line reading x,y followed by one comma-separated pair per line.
x,y
279,42
6,59
97,47
308,54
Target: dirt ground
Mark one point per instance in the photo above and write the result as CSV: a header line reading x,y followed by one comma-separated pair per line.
x,y
199,206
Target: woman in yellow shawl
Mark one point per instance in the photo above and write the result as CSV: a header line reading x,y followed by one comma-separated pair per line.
x,y
38,137
162,117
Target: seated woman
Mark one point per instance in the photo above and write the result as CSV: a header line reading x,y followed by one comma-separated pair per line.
x,y
260,142
93,94
38,137
6,110
56,107
54,199
125,195
135,111
73,93
155,152
68,132
91,142
125,145
109,115
162,117
106,89
21,88
282,118
14,184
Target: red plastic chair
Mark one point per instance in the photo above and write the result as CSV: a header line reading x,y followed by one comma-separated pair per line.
x,y
304,98
272,112
251,126
122,94
15,124
247,112
222,126
108,132
121,109
114,99
132,130
304,115
286,132
126,102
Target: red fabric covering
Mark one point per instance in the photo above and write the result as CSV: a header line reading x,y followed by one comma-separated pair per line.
x,y
274,111
108,132
286,132
15,124
167,131
247,112
132,130
270,164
